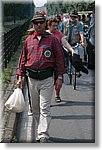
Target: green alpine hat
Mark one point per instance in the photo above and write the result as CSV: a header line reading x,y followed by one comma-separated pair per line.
x,y
38,16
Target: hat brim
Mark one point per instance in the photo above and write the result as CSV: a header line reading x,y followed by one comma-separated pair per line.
x,y
38,18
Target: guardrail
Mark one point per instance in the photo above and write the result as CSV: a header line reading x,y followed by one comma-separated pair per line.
x,y
11,41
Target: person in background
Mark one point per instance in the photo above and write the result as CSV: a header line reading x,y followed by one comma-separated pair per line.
x,y
40,53
75,34
61,24
88,19
91,42
53,29
79,17
83,19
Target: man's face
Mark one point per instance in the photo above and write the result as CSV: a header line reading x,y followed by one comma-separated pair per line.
x,y
39,26
54,26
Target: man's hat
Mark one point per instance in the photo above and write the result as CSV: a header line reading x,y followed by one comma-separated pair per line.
x,y
38,16
77,63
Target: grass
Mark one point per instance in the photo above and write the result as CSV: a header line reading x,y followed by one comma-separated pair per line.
x,y
10,25
8,71
14,140
6,77
6,28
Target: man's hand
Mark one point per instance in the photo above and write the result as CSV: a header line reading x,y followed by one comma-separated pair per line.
x,y
83,44
58,84
73,52
20,81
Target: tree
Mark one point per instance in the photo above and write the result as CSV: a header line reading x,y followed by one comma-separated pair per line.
x,y
64,7
16,11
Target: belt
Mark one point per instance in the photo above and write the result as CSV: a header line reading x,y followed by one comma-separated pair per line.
x,y
39,74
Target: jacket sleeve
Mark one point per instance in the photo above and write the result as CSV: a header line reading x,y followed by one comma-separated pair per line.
x,y
59,57
23,58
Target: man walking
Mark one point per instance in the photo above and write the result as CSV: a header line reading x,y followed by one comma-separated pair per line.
x,y
40,54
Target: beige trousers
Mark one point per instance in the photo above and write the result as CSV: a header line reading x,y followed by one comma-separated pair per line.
x,y
41,93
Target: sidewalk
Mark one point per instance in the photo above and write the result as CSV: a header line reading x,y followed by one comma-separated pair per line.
x,y
72,119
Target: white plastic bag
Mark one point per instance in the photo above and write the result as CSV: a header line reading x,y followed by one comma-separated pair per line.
x,y
16,102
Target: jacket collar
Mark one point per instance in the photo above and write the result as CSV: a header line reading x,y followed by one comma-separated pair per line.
x,y
43,35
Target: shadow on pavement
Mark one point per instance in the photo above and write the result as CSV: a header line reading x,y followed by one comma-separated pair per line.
x,y
74,103
60,140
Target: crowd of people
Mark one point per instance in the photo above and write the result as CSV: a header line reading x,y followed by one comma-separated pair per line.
x,y
43,62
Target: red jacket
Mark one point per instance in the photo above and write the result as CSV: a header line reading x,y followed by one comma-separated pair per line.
x,y
41,54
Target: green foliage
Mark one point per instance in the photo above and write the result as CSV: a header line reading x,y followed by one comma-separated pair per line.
x,y
8,26
14,140
6,74
17,11
54,8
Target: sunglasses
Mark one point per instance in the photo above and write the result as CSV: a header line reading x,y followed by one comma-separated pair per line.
x,y
39,22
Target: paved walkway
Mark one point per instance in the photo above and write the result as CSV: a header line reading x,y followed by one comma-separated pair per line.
x,y
72,119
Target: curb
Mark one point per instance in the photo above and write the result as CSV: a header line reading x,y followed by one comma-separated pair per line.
x,y
10,129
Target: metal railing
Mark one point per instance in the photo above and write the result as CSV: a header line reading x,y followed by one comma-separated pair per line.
x,y
11,41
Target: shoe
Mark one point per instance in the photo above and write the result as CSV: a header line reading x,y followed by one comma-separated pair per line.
x,y
57,99
38,141
44,140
